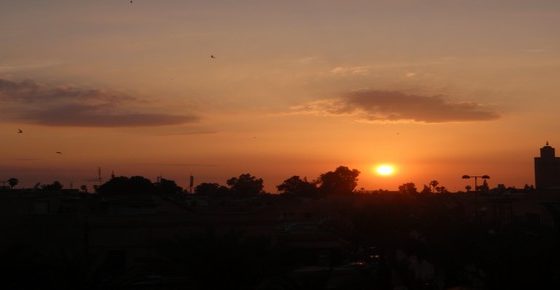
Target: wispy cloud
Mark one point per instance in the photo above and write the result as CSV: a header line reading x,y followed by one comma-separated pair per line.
x,y
30,102
350,70
373,105
308,59
180,164
7,68
535,50
191,129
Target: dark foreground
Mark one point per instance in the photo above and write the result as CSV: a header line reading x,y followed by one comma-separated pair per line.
x,y
71,240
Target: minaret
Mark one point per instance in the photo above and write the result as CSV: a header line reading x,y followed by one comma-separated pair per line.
x,y
547,152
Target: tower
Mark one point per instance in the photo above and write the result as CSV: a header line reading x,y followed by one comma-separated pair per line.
x,y
547,169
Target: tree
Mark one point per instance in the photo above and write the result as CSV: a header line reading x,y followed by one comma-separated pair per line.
x,y
441,189
55,186
468,188
341,181
408,188
211,189
296,186
433,184
501,189
123,185
167,187
426,190
13,182
484,187
245,184
84,188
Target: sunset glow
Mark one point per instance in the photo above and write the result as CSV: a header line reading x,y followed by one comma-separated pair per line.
x,y
215,89
356,144
385,170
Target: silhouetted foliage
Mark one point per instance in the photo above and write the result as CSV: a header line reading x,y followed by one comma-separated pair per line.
x,y
212,189
297,186
408,188
13,182
341,181
484,187
441,189
426,190
84,188
500,189
167,187
125,185
55,186
245,184
433,184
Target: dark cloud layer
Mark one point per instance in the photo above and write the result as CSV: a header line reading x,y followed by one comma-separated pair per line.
x,y
396,106
27,101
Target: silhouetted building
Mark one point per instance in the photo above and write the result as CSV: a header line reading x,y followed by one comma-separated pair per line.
x,y
547,169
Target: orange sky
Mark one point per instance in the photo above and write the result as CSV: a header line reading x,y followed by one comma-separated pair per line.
x,y
438,88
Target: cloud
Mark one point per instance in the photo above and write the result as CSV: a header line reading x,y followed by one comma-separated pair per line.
x,y
30,102
178,130
8,68
180,164
535,50
372,105
308,59
350,70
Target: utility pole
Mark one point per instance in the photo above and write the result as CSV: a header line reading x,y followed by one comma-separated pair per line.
x,y
191,183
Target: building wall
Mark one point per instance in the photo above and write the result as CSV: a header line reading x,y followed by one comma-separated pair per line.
x,y
547,169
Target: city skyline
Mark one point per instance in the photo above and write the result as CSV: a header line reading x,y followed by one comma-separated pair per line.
x,y
439,89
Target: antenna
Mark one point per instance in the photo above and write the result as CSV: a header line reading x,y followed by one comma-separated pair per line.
x,y
191,183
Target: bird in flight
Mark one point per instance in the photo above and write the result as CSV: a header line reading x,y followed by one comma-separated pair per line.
x,y
58,152
20,131
212,56
130,1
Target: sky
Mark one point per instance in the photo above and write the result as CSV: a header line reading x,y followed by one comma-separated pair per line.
x,y
438,88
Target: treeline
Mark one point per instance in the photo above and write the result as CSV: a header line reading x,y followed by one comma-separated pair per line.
x,y
342,180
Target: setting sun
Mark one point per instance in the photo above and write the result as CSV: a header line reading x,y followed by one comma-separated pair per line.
x,y
385,169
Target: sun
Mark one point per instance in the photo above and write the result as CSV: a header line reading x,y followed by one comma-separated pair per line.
x,y
385,169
